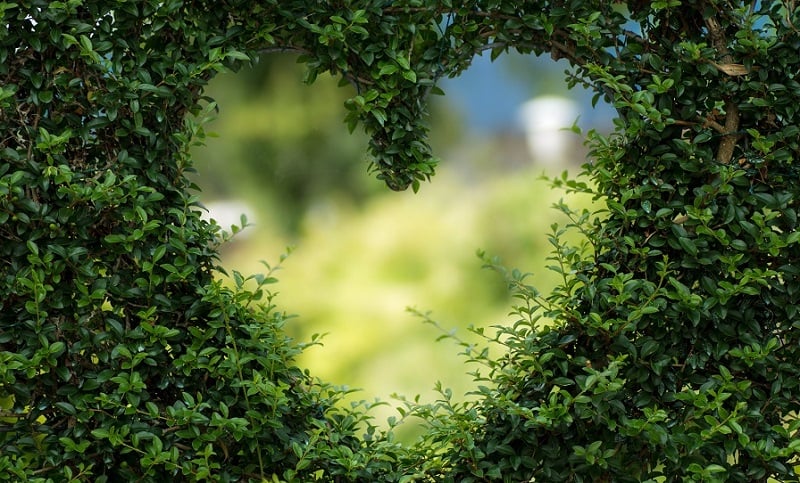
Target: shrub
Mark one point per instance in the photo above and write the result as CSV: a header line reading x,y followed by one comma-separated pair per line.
x,y
122,357
671,350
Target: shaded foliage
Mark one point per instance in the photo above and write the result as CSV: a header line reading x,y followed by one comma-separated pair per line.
x,y
121,357
671,348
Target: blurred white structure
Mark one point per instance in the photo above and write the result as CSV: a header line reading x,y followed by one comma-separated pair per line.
x,y
229,212
546,121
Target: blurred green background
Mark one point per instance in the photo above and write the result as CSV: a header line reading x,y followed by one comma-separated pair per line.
x,y
363,254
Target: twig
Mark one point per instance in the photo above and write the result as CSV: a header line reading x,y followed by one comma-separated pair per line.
x,y
284,49
730,131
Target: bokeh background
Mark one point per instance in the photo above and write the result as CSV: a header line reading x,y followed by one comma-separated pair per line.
x,y
362,255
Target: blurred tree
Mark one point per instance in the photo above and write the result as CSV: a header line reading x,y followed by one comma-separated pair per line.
x,y
281,152
285,153
373,253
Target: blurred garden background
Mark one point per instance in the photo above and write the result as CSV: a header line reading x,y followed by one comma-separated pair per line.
x,y
363,254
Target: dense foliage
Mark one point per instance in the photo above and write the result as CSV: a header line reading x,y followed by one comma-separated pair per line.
x,y
121,357
670,349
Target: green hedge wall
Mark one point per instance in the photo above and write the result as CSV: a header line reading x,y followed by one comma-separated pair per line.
x,y
669,353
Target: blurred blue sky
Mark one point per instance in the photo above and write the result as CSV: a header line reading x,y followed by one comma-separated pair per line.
x,y
490,93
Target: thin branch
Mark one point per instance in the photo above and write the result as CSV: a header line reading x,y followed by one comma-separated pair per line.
x,y
730,131
708,122
728,142
283,49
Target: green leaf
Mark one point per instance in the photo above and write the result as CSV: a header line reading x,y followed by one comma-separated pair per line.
x,y
688,245
379,115
236,55
388,69
57,348
66,407
86,43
